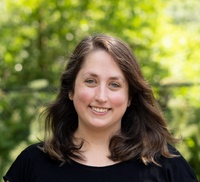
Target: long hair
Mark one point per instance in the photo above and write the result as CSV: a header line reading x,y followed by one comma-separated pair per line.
x,y
144,132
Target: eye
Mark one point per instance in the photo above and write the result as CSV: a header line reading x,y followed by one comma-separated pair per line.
x,y
90,82
115,85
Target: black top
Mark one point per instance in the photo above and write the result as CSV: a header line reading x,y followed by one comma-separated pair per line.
x,y
33,165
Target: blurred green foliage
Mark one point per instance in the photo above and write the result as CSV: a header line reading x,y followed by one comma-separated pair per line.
x,y
37,37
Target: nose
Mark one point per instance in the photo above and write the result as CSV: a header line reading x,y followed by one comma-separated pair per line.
x,y
101,94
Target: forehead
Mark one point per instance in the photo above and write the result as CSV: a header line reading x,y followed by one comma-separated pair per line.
x,y
100,62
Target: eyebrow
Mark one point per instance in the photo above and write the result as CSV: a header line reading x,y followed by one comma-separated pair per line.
x,y
112,77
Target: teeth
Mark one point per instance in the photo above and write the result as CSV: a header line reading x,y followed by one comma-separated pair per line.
x,y
101,110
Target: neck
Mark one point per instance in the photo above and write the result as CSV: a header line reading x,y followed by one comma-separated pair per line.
x,y
96,146
92,139
98,137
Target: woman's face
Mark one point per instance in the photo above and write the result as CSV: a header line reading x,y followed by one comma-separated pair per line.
x,y
101,93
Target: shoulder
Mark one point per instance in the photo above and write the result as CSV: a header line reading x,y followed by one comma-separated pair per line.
x,y
173,161
30,164
33,155
37,156
34,149
31,152
177,168
23,167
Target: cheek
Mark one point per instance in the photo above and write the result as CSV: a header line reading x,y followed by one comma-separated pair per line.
x,y
119,100
82,96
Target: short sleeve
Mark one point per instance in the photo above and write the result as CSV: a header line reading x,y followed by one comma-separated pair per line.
x,y
21,170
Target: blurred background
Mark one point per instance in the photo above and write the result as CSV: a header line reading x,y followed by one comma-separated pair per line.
x,y
37,37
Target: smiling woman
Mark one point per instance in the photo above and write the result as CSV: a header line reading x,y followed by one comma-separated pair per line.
x,y
105,124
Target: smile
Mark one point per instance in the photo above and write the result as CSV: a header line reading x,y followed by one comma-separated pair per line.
x,y
99,110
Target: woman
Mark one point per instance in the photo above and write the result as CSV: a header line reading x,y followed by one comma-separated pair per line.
x,y
105,124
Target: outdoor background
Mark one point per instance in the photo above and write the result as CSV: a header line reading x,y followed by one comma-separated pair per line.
x,y
37,36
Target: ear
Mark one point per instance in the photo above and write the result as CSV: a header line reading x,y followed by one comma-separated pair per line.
x,y
70,95
129,102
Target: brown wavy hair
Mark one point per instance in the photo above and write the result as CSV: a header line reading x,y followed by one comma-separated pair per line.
x,y
144,132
